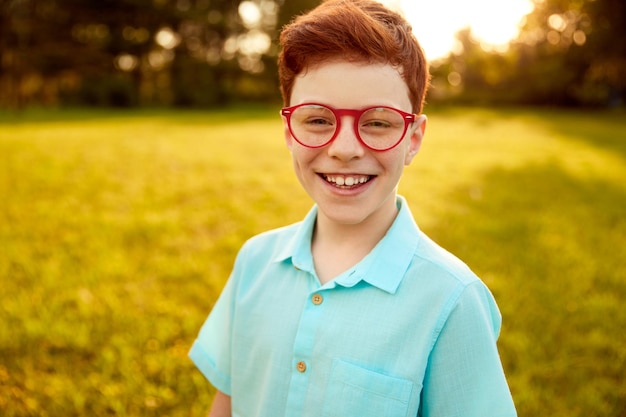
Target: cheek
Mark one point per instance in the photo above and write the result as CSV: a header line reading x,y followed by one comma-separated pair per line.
x,y
406,152
302,157
288,138
395,160
398,166
303,167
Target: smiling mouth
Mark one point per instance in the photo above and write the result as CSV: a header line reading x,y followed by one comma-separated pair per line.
x,y
347,181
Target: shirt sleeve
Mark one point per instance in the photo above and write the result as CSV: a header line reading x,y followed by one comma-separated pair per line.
x,y
211,351
464,377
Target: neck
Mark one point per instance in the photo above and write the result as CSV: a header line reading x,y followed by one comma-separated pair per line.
x,y
337,247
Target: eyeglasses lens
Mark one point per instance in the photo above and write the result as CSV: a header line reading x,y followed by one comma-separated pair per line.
x,y
313,125
381,128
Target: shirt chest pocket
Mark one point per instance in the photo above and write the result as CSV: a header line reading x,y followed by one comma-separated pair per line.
x,y
357,392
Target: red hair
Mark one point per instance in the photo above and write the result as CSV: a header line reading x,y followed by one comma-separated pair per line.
x,y
354,30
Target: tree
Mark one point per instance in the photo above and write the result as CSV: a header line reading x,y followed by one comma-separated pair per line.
x,y
580,45
141,52
569,52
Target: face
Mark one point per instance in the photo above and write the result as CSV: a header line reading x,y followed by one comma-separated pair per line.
x,y
351,183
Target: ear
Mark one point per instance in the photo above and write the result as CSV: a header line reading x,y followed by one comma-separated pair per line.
x,y
416,136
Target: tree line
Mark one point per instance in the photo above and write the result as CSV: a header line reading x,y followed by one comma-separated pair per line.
x,y
207,53
568,53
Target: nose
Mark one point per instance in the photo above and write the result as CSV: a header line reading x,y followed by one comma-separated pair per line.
x,y
346,145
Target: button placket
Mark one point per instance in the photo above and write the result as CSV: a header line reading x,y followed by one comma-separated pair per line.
x,y
304,343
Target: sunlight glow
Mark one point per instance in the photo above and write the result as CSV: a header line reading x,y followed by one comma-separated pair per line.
x,y
493,22
250,14
126,62
167,38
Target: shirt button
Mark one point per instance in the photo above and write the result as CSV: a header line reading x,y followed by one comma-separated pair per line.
x,y
317,299
301,366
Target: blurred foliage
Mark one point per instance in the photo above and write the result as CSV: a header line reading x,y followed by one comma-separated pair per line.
x,y
119,229
138,52
186,53
569,52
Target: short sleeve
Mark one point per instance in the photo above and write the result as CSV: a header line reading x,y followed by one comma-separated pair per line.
x,y
464,377
211,351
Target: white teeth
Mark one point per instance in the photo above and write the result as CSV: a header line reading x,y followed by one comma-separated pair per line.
x,y
347,181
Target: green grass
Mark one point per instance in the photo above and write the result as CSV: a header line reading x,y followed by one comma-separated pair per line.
x,y
118,231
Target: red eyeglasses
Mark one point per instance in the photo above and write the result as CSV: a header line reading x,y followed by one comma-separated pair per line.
x,y
379,128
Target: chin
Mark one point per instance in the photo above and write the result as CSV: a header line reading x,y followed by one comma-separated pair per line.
x,y
347,214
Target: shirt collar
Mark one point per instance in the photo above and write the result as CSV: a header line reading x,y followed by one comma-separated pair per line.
x,y
384,267
298,248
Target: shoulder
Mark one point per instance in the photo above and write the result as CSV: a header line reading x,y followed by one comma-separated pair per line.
x,y
442,264
467,296
448,282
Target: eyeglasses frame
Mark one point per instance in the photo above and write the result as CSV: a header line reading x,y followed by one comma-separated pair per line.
x,y
356,114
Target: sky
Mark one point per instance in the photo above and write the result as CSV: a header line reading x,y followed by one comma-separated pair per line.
x,y
493,22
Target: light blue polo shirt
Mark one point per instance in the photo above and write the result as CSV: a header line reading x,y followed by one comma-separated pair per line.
x,y
408,331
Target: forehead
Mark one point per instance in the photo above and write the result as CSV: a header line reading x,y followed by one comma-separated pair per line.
x,y
351,85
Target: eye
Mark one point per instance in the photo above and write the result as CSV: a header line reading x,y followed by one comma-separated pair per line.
x,y
314,117
318,120
381,119
377,124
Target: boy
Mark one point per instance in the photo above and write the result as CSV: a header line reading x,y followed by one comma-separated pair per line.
x,y
352,312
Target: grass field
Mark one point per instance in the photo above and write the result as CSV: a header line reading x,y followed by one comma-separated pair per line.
x,y
118,231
